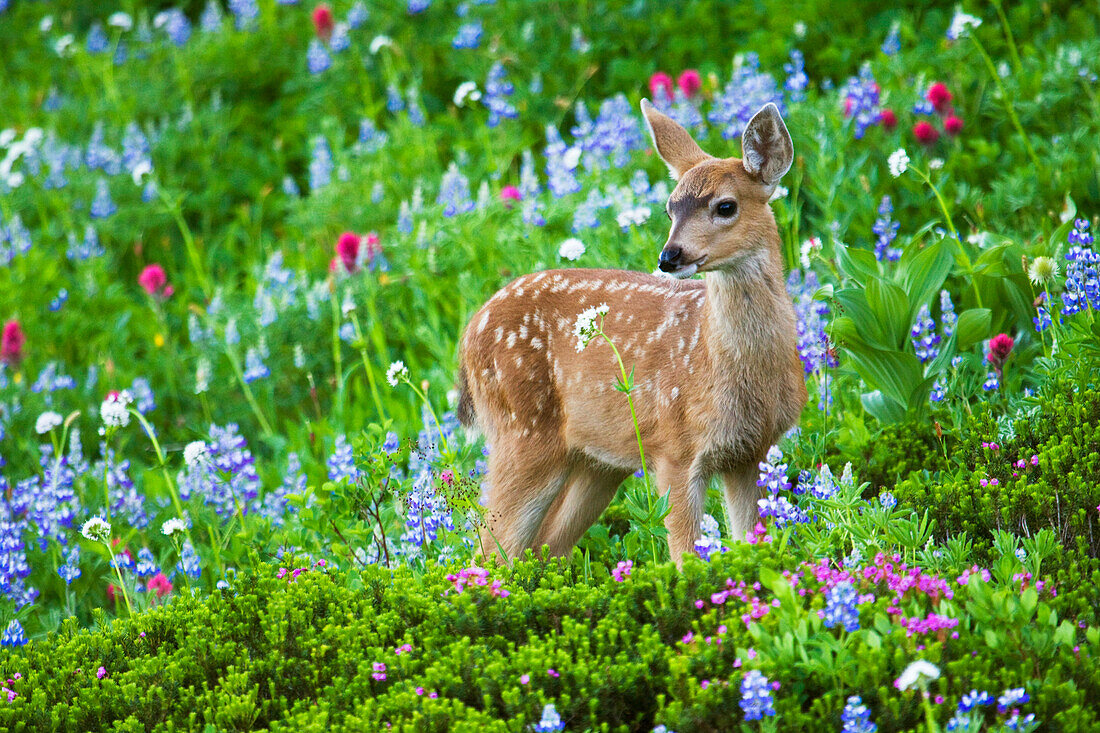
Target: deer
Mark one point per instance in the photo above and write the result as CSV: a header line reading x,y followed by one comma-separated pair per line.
x,y
718,378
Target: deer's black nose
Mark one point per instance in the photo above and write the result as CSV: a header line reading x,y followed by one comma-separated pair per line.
x,y
670,258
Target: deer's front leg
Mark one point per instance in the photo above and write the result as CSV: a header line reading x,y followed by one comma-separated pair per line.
x,y
742,495
685,515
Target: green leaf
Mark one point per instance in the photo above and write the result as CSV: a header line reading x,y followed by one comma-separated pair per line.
x,y
858,264
922,276
882,408
894,373
1028,600
991,639
972,327
1058,236
891,307
1065,633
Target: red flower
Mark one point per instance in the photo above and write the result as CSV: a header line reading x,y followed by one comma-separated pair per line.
x,y
1000,346
925,133
347,249
939,97
153,280
11,344
160,584
663,81
888,119
322,21
689,82
508,194
953,125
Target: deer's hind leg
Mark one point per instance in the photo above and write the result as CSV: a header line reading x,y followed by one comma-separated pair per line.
x,y
526,475
588,490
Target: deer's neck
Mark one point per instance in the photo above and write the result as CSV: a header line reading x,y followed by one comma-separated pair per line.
x,y
748,316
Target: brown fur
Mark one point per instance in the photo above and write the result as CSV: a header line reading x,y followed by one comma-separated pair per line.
x,y
717,374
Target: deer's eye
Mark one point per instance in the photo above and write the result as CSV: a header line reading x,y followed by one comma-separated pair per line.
x,y
726,209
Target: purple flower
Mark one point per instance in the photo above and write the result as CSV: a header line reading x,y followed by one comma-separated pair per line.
x,y
756,696
856,717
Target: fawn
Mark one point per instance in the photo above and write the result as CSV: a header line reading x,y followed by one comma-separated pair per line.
x,y
718,377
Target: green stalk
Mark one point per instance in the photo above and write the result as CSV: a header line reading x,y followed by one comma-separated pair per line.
x,y
1007,102
236,364
118,573
173,491
367,367
1013,51
439,426
175,208
954,232
337,359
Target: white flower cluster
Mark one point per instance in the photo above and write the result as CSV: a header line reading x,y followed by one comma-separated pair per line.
x,y
898,161
172,526
586,328
46,422
466,90
635,216
115,410
961,25
396,373
96,529
571,249
196,455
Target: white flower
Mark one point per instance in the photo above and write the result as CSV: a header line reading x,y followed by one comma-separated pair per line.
x,y
466,90
63,44
196,455
585,328
96,529
981,239
121,20
46,422
46,24
571,249
778,193
935,164
1040,271
173,526
808,249
914,673
898,161
380,42
800,29
299,356
571,158
115,409
636,216
7,136
142,169
961,24
397,372
347,305
203,373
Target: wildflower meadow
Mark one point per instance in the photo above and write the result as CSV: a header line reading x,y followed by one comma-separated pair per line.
x,y
240,241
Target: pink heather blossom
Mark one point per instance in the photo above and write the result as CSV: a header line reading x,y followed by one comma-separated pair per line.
x,y
524,679
402,649
101,673
661,81
153,280
552,672
11,343
622,571
689,82
379,672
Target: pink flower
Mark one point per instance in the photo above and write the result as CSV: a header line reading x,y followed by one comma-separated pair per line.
x,y
402,649
508,194
953,125
622,571
888,119
524,679
447,476
1000,346
661,81
101,673
347,249
939,96
11,343
322,21
160,584
552,672
154,281
689,82
379,672
925,133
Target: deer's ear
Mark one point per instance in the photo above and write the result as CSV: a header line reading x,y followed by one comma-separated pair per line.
x,y
673,143
766,147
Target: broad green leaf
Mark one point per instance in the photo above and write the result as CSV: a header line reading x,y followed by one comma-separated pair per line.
x,y
923,275
858,264
973,326
891,308
991,261
896,374
853,304
1058,236
881,408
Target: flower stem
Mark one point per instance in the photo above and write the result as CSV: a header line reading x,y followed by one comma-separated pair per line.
x,y
118,573
927,178
369,369
173,491
1007,102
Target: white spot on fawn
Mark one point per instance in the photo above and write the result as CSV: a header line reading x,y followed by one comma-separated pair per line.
x,y
484,322
536,342
511,339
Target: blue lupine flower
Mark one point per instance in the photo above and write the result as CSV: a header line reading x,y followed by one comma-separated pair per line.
x,y
317,57
392,444
377,192
1082,289
1042,319
144,402
782,509
529,190
551,721
13,634
886,230
404,218
371,139
887,500
497,91
320,165
229,476
939,390
340,39
773,474
561,164
856,717
273,503
254,367
992,382
83,250
1011,698
211,19
1026,723
468,35
290,187
586,215
121,53
341,464
454,192
358,15
612,138
747,91
97,39
711,540
135,147
924,107
841,607
418,6
126,500
175,24
756,696
891,45
948,319
189,563
394,101
797,81
146,564
861,100
416,112
924,337
149,191
70,570
102,205
811,317
245,12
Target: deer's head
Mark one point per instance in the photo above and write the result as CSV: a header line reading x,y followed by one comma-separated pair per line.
x,y
719,208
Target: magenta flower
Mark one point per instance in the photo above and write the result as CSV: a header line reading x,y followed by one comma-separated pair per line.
x,y
622,571
101,673
379,671
11,344
155,282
